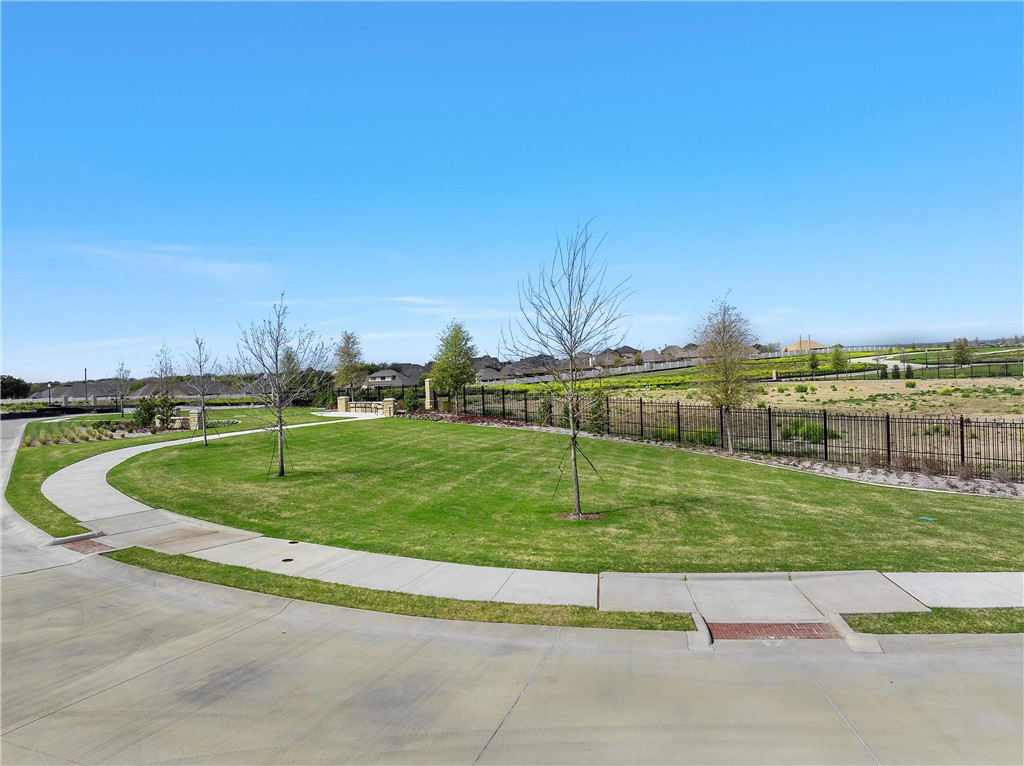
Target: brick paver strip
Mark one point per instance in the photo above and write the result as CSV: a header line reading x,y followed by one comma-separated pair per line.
x,y
88,546
758,630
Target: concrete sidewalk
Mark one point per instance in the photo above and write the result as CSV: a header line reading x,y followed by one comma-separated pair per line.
x,y
790,603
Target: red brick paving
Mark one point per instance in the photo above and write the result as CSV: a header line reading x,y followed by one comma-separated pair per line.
x,y
88,546
759,630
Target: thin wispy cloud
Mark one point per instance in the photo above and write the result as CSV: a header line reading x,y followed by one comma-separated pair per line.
x,y
187,260
86,345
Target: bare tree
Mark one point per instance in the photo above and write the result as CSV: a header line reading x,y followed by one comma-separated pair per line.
x,y
725,339
567,314
163,369
287,364
201,370
122,384
349,367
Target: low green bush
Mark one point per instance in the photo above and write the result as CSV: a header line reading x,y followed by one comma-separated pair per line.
x,y
706,437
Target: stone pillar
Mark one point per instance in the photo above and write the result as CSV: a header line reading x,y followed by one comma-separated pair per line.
x,y
389,408
342,404
64,400
195,419
775,374
428,395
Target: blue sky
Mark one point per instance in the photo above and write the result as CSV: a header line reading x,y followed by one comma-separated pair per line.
x,y
850,170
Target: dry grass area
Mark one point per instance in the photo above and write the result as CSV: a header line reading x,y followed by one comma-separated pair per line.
x,y
974,397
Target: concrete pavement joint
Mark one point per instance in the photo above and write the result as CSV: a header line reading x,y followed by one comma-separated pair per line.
x,y
834,705
522,691
495,595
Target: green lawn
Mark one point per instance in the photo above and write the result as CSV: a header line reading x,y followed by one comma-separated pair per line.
x,y
33,464
337,594
940,621
492,496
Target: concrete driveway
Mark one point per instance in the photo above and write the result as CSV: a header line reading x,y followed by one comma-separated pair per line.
x,y
105,663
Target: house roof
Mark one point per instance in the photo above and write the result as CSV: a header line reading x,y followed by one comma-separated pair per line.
x,y
805,345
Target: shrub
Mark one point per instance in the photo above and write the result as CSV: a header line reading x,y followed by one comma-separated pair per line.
x,y
165,410
932,466
901,462
1001,475
883,373
800,388
807,430
895,372
26,441
544,412
966,472
665,434
707,437
910,383
947,391
871,459
145,412
782,389
597,414
910,372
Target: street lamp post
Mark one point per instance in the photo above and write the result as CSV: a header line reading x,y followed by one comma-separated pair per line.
x,y
49,401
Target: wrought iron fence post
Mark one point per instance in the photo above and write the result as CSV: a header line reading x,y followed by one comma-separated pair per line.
x,y
963,450
824,428
721,426
679,424
888,441
503,404
483,402
770,435
641,418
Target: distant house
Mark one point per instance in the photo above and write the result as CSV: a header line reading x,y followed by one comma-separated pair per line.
x,y
397,376
806,346
652,355
689,351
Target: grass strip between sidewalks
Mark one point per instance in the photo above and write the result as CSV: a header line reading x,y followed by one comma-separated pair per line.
x,y
1010,620
337,594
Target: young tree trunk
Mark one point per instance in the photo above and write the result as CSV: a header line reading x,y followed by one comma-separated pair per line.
x,y
577,507
202,414
728,429
280,445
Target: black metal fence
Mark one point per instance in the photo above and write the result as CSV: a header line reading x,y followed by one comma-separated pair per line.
x,y
943,445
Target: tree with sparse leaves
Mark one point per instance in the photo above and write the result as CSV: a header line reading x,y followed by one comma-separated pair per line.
x,y
201,370
163,369
122,384
285,363
453,360
568,314
725,339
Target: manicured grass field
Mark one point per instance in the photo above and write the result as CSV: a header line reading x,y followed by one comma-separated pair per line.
x,y
33,464
493,496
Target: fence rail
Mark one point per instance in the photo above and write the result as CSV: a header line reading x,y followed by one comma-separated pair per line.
x,y
944,445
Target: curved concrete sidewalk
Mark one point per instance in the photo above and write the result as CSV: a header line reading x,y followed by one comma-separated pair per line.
x,y
797,598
